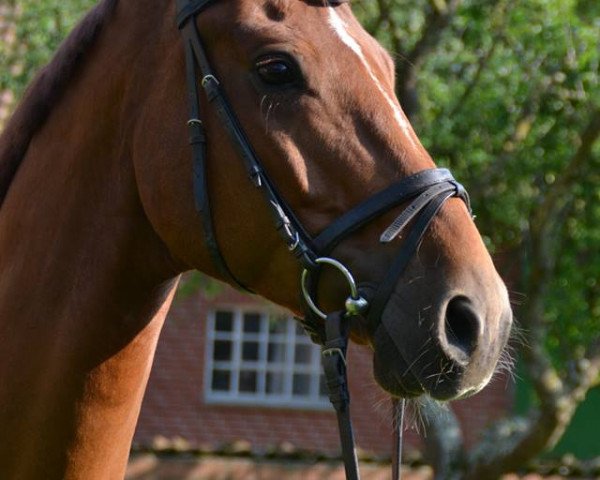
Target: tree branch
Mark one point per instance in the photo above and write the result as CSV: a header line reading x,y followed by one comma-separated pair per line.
x,y
437,19
523,124
498,23
575,168
509,450
558,398
444,447
481,66
385,15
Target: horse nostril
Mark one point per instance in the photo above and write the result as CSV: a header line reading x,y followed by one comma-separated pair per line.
x,y
461,328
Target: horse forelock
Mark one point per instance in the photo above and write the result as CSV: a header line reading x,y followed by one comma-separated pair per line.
x,y
45,91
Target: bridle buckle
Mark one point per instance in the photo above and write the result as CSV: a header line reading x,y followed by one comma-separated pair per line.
x,y
194,121
209,78
330,352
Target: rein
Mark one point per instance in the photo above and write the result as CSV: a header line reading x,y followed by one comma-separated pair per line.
x,y
427,191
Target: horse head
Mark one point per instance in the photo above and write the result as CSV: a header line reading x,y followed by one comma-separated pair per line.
x,y
314,95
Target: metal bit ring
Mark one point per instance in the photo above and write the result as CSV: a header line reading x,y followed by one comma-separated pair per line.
x,y
354,304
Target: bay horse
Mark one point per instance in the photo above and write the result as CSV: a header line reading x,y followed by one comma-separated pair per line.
x,y
98,216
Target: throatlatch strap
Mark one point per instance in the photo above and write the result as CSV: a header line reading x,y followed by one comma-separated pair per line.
x,y
198,144
188,8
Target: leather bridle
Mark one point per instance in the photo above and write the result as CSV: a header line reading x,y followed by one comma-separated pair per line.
x,y
425,191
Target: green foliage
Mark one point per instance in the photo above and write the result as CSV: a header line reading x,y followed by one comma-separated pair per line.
x,y
574,312
40,26
504,99
192,282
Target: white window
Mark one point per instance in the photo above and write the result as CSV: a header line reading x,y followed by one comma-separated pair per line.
x,y
256,357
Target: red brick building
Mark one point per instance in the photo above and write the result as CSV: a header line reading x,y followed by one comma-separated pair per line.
x,y
232,368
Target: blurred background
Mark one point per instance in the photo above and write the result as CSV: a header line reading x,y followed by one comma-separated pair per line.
x,y
507,94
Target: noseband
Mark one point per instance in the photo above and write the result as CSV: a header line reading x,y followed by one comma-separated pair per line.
x,y
427,191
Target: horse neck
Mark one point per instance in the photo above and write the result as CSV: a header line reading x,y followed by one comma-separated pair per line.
x,y
85,284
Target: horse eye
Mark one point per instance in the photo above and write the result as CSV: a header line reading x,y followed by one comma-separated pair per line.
x,y
278,71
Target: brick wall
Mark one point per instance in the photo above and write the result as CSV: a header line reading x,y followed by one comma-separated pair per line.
x,y
174,405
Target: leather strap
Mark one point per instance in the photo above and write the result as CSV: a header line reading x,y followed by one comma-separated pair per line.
x,y
409,247
431,188
334,366
291,230
380,203
198,143
413,209
187,9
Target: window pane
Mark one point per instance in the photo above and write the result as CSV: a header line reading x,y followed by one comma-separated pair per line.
x,y
248,381
277,324
275,383
250,351
251,323
224,321
220,380
301,384
222,350
302,354
276,352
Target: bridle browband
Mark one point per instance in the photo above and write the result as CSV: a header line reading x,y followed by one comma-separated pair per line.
x,y
427,191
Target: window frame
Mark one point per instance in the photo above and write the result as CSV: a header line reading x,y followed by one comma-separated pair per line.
x,y
232,397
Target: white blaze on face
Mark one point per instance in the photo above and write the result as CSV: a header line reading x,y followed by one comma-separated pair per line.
x,y
341,29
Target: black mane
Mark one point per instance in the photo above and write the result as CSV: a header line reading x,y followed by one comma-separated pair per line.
x,y
45,91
